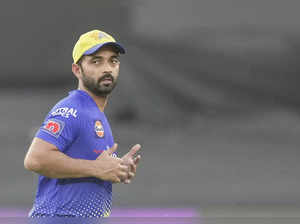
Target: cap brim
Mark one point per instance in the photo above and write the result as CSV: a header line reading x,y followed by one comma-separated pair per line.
x,y
92,50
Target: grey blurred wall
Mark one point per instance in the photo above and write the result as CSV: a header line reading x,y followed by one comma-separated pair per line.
x,y
209,88
37,37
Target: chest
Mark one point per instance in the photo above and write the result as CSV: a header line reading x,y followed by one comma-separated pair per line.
x,y
95,136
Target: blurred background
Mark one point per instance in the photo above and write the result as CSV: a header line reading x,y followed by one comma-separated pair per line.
x,y
209,88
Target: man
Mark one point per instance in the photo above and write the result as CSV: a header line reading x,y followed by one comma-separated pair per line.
x,y
74,151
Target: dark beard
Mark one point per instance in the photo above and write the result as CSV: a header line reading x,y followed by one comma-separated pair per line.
x,y
96,88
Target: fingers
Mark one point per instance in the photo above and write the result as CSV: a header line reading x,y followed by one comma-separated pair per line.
x,y
127,181
133,168
127,167
116,180
127,172
125,177
131,175
129,178
137,159
121,175
134,162
133,150
124,168
111,150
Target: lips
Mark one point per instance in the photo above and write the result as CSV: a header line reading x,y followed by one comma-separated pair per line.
x,y
106,80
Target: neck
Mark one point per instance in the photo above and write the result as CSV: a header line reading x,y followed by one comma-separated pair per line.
x,y
100,101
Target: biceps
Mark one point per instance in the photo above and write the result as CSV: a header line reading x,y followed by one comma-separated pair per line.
x,y
37,153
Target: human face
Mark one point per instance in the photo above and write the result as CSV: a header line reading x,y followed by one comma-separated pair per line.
x,y
100,71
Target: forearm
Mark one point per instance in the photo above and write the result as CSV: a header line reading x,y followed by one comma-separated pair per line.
x,y
59,165
44,159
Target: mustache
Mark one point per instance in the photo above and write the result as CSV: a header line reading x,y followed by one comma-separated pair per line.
x,y
106,76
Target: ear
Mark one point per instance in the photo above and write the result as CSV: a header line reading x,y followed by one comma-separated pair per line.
x,y
76,70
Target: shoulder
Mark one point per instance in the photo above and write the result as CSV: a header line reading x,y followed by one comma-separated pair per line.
x,y
69,107
64,116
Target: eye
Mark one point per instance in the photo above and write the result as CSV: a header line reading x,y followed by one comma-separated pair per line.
x,y
115,60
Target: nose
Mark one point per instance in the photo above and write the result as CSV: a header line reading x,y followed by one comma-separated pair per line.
x,y
107,67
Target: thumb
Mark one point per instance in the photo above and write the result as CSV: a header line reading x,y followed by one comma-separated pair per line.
x,y
133,150
111,150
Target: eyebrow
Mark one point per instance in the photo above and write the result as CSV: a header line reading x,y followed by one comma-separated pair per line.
x,y
100,57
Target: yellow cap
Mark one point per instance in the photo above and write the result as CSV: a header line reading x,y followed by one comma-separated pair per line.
x,y
91,41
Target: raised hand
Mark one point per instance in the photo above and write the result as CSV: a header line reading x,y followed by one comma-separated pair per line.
x,y
109,168
131,161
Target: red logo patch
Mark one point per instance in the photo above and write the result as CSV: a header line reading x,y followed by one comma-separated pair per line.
x,y
99,129
53,127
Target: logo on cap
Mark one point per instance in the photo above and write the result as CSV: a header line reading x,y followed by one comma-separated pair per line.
x,y
97,35
99,129
101,35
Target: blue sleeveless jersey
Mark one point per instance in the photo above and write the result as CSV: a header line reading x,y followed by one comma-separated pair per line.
x,y
77,127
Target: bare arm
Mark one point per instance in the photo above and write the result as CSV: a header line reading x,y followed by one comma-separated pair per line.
x,y
45,159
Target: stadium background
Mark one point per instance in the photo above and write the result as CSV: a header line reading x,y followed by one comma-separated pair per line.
x,y
209,88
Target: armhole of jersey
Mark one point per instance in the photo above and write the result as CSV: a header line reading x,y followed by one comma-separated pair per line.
x,y
52,143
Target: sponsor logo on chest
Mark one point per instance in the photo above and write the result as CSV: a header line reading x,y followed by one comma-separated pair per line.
x,y
99,130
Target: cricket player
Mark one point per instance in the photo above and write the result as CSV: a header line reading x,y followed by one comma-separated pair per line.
x,y
73,151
